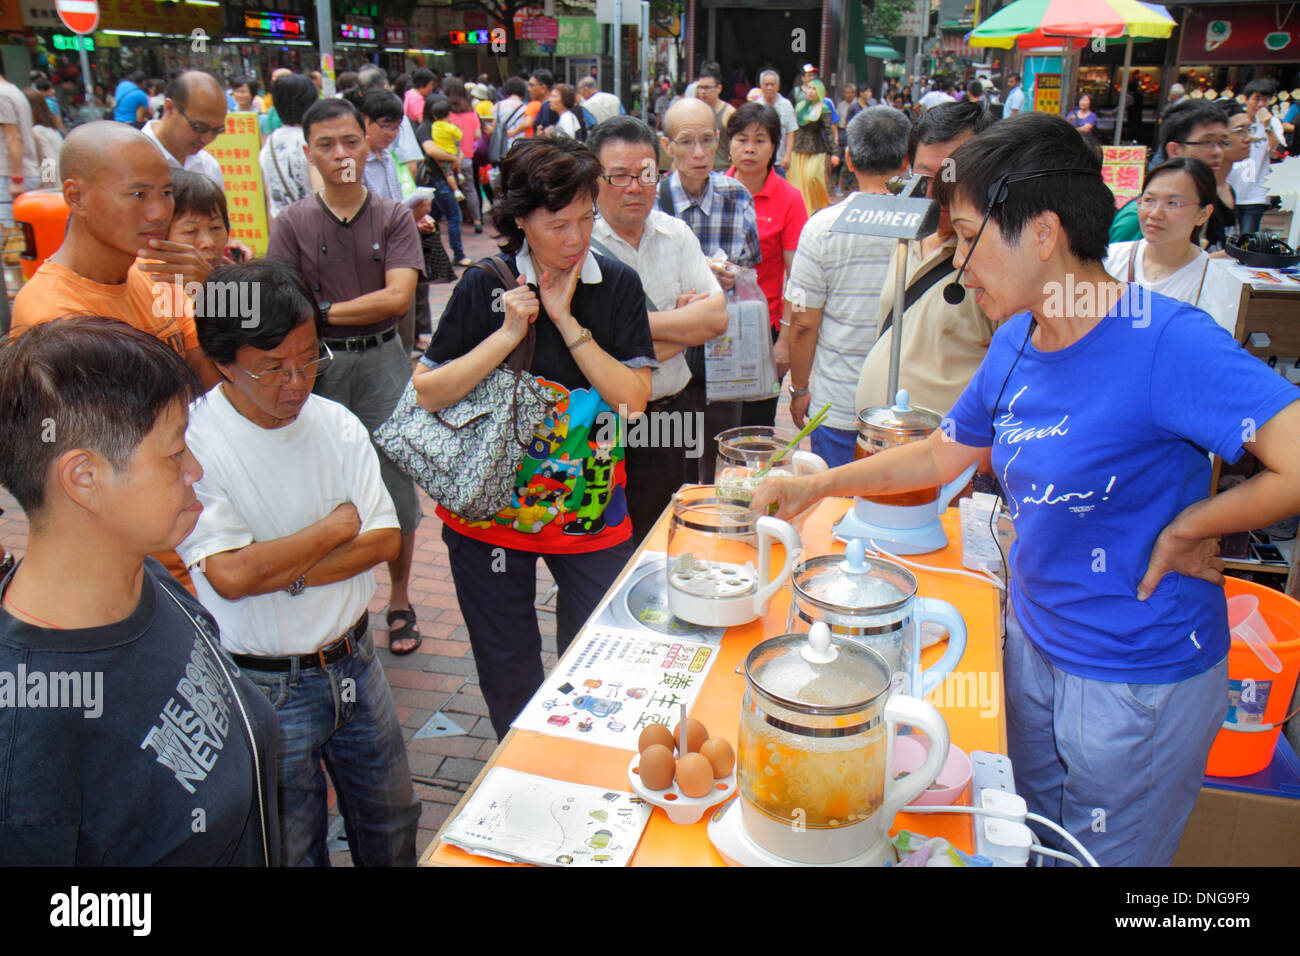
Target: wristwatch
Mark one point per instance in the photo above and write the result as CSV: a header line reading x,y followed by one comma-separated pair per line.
x,y
583,336
325,311
798,392
297,587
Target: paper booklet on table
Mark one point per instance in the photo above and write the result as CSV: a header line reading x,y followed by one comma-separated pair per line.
x,y
522,818
614,682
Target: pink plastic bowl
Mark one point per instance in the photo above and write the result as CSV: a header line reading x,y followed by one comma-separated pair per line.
x,y
910,752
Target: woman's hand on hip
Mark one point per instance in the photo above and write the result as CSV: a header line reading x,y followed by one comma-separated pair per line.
x,y
521,308
1173,552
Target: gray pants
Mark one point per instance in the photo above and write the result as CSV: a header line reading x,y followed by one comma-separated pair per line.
x,y
369,384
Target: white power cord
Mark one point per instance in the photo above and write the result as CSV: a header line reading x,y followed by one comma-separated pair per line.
x,y
1037,847
981,811
983,576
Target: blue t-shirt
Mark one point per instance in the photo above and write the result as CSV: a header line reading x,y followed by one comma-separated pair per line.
x,y
1098,447
129,99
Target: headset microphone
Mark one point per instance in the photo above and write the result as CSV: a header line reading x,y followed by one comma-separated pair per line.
x,y
953,292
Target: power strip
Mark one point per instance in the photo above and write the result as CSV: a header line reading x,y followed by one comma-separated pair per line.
x,y
979,549
999,840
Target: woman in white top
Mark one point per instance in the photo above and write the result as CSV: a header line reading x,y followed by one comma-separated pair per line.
x,y
1175,204
285,171
564,103
48,138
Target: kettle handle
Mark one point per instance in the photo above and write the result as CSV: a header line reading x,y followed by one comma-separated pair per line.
x,y
954,486
806,463
936,611
769,528
902,709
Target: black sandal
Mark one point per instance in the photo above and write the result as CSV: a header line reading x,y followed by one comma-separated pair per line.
x,y
407,616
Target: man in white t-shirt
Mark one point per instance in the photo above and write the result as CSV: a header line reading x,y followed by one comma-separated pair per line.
x,y
18,152
936,96
194,114
1247,176
686,304
1015,96
295,516
769,81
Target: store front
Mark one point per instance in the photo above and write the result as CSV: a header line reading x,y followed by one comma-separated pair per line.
x,y
1223,47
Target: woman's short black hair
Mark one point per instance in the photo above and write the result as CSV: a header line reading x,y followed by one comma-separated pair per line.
x,y
248,81
514,86
278,295
758,112
1037,143
421,77
542,173
196,193
327,109
1207,187
101,383
293,95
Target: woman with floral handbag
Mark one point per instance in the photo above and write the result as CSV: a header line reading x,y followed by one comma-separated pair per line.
x,y
593,351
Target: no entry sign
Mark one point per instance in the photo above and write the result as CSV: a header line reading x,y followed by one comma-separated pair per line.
x,y
79,16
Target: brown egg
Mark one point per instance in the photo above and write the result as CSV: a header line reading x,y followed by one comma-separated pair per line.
x,y
720,755
696,734
655,734
656,767
694,775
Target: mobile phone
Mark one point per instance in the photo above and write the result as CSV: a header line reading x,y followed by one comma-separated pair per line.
x,y
1235,546
1268,554
236,254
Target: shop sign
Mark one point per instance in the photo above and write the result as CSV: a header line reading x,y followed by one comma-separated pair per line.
x,y
62,41
356,31
157,17
577,36
287,25
1122,169
470,37
542,29
236,150
1241,33
1047,93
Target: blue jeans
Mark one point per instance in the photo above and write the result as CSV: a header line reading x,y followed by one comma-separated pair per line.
x,y
342,714
1118,765
834,445
444,201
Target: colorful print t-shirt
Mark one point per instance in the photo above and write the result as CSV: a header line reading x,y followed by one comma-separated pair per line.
x,y
569,490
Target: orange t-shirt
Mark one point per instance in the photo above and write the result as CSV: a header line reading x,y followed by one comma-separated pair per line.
x,y
531,109
56,291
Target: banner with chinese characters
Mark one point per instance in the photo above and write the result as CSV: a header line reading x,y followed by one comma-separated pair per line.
x,y
1047,93
236,150
1122,169
612,683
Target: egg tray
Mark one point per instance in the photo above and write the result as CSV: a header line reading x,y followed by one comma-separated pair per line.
x,y
679,807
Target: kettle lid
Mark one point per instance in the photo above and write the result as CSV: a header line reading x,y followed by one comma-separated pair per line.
x,y
902,416
817,673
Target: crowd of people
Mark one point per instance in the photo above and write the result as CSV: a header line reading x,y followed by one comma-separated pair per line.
x,y
207,506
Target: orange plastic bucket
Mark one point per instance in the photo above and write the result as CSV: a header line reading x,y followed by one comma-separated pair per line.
x,y
43,217
1257,695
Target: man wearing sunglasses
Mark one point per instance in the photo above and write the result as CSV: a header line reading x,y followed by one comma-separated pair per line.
x,y
194,114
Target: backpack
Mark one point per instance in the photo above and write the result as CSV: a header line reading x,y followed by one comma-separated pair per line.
x,y
585,122
499,144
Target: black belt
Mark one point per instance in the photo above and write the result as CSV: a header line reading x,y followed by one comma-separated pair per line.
x,y
664,402
335,651
359,343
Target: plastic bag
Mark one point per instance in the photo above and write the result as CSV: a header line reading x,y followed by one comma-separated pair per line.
x,y
740,364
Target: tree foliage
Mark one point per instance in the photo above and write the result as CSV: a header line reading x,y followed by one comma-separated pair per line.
x,y
882,17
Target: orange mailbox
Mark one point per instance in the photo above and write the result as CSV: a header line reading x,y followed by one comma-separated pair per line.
x,y
43,216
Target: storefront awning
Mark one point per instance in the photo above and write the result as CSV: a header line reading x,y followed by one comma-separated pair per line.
x,y
881,49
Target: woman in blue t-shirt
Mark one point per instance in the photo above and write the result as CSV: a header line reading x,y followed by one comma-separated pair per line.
x,y
1099,400
1082,117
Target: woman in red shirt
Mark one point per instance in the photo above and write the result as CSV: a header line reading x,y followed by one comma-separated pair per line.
x,y
754,132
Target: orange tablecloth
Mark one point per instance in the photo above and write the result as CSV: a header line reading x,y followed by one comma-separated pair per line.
x,y
973,725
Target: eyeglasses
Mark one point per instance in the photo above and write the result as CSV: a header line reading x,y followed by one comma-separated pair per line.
x,y
1173,203
1208,143
200,129
282,376
706,143
706,89
389,127
622,180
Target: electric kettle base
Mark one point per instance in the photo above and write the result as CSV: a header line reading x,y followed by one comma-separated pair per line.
x,y
921,540
734,844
